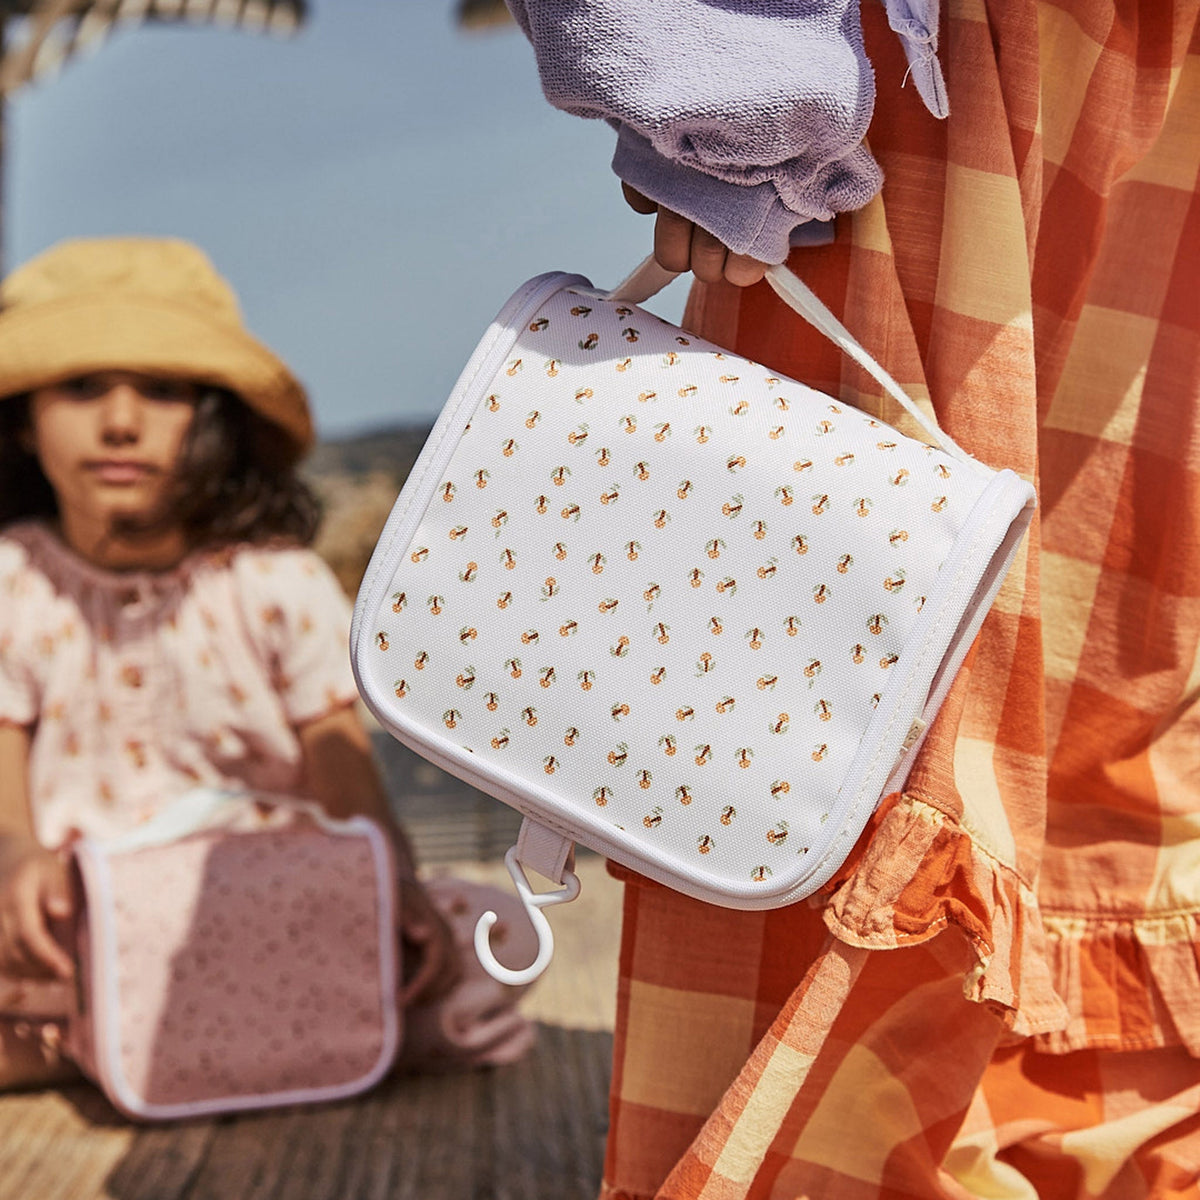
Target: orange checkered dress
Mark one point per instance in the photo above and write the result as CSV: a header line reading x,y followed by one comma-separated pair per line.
x,y
998,995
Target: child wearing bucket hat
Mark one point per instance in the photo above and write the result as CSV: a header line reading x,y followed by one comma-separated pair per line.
x,y
163,623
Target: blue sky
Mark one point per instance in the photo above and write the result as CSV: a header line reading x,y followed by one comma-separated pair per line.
x,y
374,188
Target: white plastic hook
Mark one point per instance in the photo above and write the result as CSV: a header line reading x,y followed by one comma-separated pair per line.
x,y
534,902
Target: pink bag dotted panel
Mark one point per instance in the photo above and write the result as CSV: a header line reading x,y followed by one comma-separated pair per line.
x,y
232,970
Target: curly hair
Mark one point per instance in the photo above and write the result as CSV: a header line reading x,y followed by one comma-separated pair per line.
x,y
236,480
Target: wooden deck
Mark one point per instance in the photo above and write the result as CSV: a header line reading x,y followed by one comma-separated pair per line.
x,y
532,1130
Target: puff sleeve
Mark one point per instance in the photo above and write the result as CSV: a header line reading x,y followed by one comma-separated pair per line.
x,y
19,690
300,620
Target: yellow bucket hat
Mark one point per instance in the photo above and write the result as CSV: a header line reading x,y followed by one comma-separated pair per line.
x,y
154,305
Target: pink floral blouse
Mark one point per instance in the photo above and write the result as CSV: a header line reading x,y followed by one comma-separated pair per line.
x,y
139,686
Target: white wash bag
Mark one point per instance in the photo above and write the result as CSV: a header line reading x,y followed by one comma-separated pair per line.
x,y
671,605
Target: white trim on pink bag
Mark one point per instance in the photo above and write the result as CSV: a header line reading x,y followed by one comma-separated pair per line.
x,y
101,1052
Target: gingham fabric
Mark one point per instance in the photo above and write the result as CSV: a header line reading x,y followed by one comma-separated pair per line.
x,y
1031,266
1090,1123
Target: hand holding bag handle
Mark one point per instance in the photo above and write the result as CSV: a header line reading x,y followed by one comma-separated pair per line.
x,y
648,278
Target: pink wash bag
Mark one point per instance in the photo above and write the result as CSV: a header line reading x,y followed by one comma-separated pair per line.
x,y
235,954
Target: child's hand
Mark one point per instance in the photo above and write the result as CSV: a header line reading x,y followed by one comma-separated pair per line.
x,y
33,892
681,245
431,964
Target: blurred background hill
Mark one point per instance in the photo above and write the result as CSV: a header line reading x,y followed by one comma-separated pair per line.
x,y
358,479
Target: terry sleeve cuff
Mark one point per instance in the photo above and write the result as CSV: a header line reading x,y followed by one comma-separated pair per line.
x,y
755,219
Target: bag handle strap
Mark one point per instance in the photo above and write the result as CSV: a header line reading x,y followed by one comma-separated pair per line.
x,y
648,278
207,808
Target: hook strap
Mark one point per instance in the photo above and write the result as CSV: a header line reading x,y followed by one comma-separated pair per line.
x,y
533,902
544,851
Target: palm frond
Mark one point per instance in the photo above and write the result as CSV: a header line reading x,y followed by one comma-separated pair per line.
x,y
482,14
45,34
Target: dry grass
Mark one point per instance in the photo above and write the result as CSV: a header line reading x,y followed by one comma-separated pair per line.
x,y
356,507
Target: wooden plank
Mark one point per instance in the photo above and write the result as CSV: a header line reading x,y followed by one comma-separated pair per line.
x,y
587,1078
436,1124
276,1155
369,1167
58,1144
531,1130
244,1159
162,1161
546,1132
321,1145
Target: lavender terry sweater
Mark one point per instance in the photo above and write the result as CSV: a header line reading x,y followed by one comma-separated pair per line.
x,y
746,116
